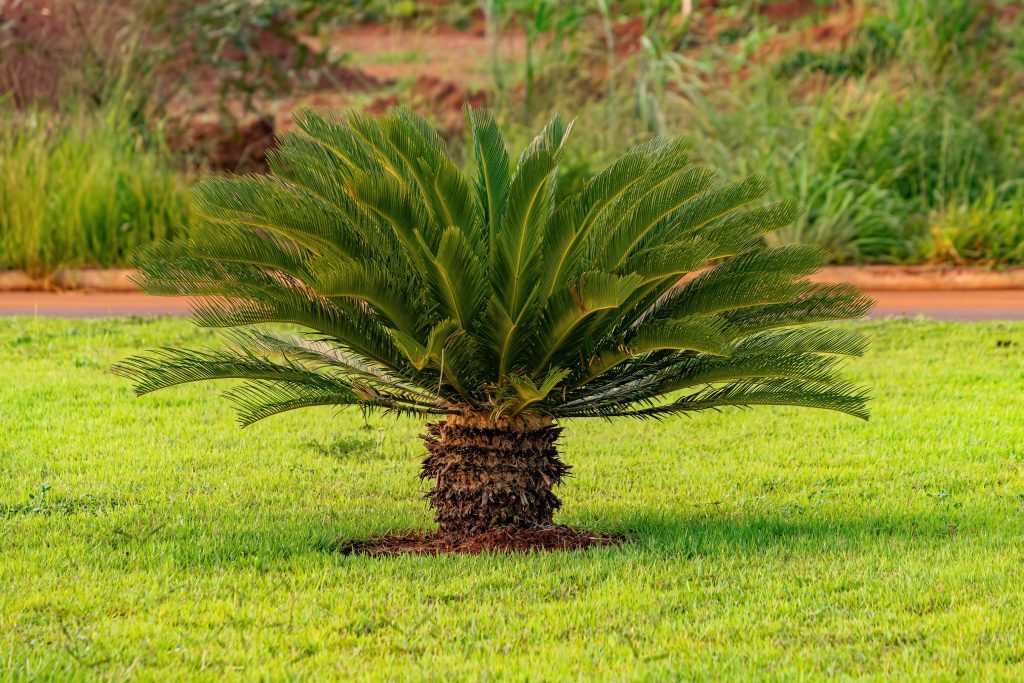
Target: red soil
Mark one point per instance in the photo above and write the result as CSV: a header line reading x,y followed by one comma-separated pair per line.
x,y
790,10
833,33
435,96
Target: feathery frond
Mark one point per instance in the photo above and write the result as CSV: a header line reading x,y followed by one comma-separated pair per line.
x,y
418,288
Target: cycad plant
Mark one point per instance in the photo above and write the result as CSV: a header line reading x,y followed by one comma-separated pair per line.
x,y
492,304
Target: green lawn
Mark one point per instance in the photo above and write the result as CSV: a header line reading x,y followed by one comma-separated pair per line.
x,y
152,539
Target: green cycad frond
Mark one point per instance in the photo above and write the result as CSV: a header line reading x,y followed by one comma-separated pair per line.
x,y
493,167
837,395
418,288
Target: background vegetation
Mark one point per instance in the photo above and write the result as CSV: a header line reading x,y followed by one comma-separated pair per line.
x,y
83,188
898,123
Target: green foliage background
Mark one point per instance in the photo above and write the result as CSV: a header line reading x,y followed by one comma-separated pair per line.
x,y
906,140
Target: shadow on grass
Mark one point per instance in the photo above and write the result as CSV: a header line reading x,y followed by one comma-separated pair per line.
x,y
276,542
706,535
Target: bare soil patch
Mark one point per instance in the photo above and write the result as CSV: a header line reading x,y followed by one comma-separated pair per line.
x,y
389,53
446,68
834,33
500,540
791,9
435,96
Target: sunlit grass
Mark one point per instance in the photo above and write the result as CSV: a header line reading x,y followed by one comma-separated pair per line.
x,y
150,538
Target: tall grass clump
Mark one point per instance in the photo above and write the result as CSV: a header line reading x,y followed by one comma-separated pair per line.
x,y
988,228
82,188
890,171
875,171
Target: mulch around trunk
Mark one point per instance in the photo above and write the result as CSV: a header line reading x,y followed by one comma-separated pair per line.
x,y
500,540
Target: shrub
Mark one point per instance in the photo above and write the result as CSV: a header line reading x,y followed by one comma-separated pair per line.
x,y
493,306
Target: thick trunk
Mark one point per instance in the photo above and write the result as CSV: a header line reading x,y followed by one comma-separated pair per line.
x,y
492,473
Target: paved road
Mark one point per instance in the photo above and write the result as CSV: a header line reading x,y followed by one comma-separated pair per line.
x,y
969,306
80,305
974,305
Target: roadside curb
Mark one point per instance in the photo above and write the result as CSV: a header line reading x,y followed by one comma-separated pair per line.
x,y
923,278
868,278
112,280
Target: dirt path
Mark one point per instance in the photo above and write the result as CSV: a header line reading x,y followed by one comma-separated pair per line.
x,y
967,306
390,53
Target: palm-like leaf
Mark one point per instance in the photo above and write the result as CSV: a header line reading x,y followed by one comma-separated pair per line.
x,y
647,293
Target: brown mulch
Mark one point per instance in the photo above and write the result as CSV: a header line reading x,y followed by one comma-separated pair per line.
x,y
500,540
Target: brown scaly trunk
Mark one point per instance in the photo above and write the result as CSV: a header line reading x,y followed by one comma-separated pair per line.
x,y
492,473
